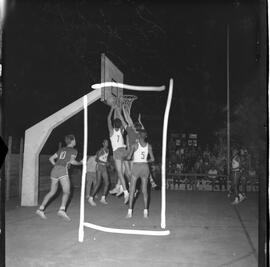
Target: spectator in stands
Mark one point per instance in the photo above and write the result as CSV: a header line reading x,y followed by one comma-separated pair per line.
x,y
171,145
178,155
212,159
244,170
206,153
212,172
206,166
213,175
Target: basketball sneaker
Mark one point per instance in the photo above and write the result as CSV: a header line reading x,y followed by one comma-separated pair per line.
x,y
63,214
91,201
129,214
120,191
103,200
236,201
145,213
126,196
41,214
115,190
241,197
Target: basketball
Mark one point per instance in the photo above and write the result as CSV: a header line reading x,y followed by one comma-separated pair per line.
x,y
111,101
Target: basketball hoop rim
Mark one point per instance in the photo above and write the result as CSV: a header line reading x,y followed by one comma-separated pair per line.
x,y
127,101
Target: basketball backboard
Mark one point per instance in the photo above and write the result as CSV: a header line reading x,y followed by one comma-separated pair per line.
x,y
110,73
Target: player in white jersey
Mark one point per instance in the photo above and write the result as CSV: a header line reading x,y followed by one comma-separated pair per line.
x,y
119,149
133,136
140,169
101,168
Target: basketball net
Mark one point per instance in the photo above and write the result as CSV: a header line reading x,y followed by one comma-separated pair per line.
x,y
126,102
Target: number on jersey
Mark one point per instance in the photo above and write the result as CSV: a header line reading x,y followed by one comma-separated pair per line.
x,y
62,155
143,155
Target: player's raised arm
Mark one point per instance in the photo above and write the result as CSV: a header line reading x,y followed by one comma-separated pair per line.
x,y
119,113
109,121
53,158
73,161
139,120
150,151
127,116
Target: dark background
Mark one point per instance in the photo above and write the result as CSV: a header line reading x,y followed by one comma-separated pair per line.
x,y
52,55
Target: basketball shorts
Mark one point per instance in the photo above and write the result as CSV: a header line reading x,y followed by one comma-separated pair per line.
x,y
140,170
91,177
120,153
59,172
102,168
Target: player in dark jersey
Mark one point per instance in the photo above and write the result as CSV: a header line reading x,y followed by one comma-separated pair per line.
x,y
236,175
59,173
102,161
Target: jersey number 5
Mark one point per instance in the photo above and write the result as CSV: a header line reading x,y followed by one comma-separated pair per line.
x,y
143,155
62,155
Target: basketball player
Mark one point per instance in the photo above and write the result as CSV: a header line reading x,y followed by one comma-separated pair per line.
x,y
119,148
102,160
140,169
133,136
61,160
91,178
236,166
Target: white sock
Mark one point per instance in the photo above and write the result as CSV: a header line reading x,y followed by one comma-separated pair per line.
x,y
103,197
62,208
41,208
129,211
91,198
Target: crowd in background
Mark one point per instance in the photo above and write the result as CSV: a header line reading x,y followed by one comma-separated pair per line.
x,y
209,160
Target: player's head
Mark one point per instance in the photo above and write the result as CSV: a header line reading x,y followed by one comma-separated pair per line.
x,y
105,143
142,134
70,140
117,124
235,151
137,125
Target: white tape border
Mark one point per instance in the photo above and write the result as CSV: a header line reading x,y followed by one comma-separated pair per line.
x,y
127,231
85,145
163,161
164,144
129,87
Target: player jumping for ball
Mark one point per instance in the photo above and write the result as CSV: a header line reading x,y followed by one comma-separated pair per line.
x,y
59,173
101,159
140,169
133,135
119,149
